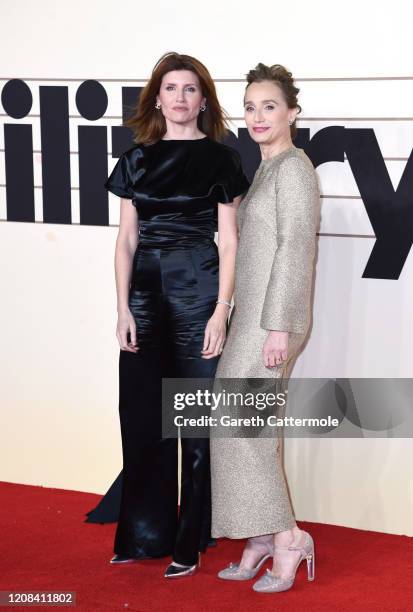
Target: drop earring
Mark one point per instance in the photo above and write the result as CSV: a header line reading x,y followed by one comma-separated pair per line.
x,y
202,108
158,105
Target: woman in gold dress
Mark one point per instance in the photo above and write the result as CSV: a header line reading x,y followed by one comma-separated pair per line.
x,y
278,221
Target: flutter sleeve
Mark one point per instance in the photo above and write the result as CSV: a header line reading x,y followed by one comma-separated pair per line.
x,y
288,295
119,181
233,181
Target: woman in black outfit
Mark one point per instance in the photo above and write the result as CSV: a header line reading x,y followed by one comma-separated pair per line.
x,y
173,300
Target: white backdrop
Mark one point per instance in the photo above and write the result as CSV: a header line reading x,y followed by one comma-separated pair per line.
x,y
59,422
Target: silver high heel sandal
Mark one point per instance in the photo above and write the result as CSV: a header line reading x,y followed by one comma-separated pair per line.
x,y
123,560
176,570
268,583
235,572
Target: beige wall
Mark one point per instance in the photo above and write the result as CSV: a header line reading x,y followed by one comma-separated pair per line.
x,y
58,351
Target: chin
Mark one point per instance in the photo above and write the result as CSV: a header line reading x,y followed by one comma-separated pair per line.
x,y
261,138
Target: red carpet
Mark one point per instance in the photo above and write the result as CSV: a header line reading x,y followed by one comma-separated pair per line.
x,y
46,546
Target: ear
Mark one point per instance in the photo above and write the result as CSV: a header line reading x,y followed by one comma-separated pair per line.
x,y
292,116
295,113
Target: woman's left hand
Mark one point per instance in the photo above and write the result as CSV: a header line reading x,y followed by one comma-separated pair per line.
x,y
275,349
215,333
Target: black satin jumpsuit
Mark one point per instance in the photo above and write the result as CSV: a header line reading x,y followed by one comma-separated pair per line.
x,y
175,186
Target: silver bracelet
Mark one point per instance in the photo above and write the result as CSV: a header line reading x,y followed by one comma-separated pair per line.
x,y
224,302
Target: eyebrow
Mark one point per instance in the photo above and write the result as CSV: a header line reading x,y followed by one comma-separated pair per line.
x,y
263,101
186,84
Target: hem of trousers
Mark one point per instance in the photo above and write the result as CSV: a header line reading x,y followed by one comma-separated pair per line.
x,y
142,556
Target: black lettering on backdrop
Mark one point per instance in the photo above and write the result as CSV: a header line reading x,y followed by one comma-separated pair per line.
x,y
17,100
390,211
54,128
92,102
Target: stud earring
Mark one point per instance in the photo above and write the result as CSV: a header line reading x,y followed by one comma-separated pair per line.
x,y
290,122
202,108
158,105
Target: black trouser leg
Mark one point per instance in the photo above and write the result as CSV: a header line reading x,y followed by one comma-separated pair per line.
x,y
195,505
194,524
148,512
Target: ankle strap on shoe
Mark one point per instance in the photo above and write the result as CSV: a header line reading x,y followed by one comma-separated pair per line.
x,y
291,547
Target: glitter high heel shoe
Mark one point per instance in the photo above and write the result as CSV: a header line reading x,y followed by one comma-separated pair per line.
x,y
235,572
268,583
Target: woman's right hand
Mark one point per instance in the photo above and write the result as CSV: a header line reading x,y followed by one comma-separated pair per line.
x,y
126,324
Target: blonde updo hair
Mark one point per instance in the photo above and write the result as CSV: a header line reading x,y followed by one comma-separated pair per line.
x,y
284,79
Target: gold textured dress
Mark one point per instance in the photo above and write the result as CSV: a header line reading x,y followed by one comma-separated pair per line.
x,y
278,221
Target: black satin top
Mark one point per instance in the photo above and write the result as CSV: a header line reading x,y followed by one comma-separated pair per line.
x,y
175,186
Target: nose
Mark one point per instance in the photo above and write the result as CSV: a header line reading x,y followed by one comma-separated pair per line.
x,y
180,95
258,118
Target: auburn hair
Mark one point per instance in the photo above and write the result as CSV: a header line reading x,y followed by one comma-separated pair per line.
x,y
148,123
